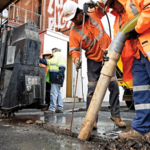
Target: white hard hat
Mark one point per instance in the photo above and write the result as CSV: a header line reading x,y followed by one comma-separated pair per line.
x,y
69,10
47,52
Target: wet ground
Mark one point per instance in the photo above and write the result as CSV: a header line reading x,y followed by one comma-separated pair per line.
x,y
55,133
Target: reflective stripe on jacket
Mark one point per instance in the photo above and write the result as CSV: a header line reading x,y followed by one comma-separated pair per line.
x,y
134,7
57,66
94,38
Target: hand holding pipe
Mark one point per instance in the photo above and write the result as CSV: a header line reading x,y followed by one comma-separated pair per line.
x,y
114,52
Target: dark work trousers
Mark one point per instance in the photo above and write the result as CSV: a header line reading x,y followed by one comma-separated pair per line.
x,y
141,94
47,97
94,69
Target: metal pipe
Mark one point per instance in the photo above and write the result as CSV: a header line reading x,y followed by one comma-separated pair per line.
x,y
40,23
74,103
25,18
13,13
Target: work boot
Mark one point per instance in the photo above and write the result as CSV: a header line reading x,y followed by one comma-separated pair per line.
x,y
45,108
132,134
118,121
49,112
147,136
59,111
95,126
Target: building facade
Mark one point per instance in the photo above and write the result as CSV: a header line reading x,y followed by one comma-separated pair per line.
x,y
54,32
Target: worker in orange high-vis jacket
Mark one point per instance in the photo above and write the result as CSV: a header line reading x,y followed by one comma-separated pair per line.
x,y
47,55
140,43
94,41
128,53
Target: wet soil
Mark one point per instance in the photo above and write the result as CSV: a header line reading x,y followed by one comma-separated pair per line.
x,y
54,134
48,137
105,143
34,137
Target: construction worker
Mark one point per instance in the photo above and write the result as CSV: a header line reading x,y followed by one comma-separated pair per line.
x,y
57,66
94,41
47,55
140,43
128,53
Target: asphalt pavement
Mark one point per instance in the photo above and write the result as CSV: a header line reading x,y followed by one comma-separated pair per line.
x,y
56,128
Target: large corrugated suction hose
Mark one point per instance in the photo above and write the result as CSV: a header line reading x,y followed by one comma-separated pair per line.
x,y
130,24
114,52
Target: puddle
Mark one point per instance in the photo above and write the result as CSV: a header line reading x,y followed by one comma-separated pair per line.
x,y
19,119
106,127
6,125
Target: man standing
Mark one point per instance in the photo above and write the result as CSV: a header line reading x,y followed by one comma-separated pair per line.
x,y
94,41
47,55
140,42
57,66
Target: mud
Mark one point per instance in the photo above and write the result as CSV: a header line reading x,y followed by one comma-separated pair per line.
x,y
105,143
33,137
24,136
15,133
118,144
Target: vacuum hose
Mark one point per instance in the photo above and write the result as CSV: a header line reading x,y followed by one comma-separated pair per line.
x,y
114,52
130,24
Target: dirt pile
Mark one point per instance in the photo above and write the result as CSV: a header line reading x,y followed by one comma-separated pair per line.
x,y
118,144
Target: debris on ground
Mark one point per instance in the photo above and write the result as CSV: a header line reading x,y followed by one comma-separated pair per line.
x,y
39,122
29,121
105,143
123,144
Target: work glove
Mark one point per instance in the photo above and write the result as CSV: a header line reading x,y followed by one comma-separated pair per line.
x,y
132,34
78,64
105,58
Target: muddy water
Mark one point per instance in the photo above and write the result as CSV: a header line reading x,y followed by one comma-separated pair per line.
x,y
106,128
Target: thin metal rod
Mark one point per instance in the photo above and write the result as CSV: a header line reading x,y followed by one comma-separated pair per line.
x,y
81,37
26,10
80,58
74,103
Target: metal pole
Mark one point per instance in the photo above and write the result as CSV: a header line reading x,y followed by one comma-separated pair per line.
x,y
14,13
77,74
40,22
25,16
74,103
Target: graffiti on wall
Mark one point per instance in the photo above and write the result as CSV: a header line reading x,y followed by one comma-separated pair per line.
x,y
56,19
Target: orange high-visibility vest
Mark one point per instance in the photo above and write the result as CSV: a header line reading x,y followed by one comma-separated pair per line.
x,y
45,66
132,8
128,53
94,38
47,73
